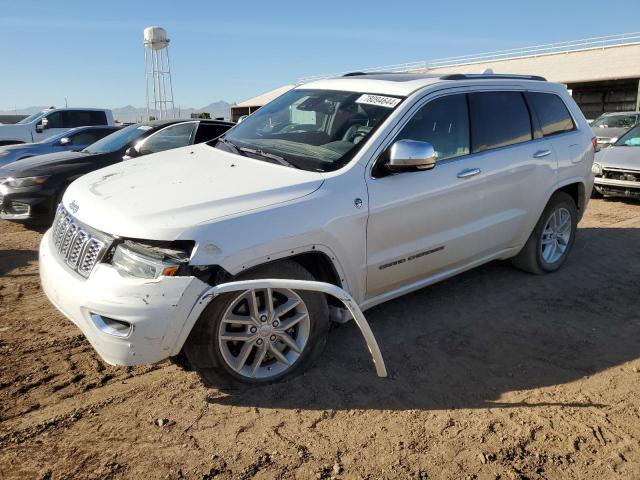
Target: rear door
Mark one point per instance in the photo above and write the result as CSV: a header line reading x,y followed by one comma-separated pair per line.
x,y
518,166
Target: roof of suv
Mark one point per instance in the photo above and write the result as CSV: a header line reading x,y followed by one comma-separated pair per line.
x,y
401,83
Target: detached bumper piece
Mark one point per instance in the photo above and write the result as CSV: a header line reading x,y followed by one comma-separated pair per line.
x,y
322,287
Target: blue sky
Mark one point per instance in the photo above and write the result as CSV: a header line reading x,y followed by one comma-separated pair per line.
x,y
91,52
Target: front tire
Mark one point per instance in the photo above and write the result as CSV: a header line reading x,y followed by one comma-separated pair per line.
x,y
552,238
259,336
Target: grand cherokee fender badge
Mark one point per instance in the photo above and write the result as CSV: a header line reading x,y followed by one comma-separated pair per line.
x,y
411,257
73,206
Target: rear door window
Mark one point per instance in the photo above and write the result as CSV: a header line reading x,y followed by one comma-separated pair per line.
x,y
78,118
498,119
552,113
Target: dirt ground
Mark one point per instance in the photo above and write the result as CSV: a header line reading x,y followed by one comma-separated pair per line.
x,y
493,374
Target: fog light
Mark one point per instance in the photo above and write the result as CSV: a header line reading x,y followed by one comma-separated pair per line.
x,y
111,326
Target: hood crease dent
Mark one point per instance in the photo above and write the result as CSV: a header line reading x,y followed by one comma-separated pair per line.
x,y
159,196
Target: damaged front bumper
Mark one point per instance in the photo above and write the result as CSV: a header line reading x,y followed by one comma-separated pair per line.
x,y
131,321
617,188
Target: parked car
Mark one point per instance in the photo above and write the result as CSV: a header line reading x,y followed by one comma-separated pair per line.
x,y
30,189
617,169
53,121
337,196
74,139
609,126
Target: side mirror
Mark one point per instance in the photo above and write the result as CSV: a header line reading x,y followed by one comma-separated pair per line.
x,y
42,125
64,141
132,152
411,155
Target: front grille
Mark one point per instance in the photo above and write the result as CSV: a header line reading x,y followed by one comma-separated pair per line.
x,y
628,175
80,248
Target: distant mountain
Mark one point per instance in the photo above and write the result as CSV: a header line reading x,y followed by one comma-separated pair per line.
x,y
129,113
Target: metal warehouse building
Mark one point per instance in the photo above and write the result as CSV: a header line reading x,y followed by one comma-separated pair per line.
x,y
602,73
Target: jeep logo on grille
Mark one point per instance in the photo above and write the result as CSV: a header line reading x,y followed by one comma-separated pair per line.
x,y
73,206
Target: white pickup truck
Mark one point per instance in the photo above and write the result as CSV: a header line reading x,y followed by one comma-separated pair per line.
x,y
337,196
51,122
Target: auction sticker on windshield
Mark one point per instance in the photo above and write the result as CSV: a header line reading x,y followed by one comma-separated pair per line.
x,y
378,100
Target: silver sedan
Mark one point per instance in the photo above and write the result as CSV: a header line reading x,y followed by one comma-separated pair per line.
x,y
617,169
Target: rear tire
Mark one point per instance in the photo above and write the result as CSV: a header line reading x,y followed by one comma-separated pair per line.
x,y
552,238
253,359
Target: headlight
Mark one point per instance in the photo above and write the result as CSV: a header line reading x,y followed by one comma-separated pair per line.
x,y
144,261
596,169
18,182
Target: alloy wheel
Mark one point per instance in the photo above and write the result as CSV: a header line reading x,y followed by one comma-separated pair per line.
x,y
264,332
556,235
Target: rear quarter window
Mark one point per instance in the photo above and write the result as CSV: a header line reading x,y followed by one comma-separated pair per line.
x,y
552,113
498,119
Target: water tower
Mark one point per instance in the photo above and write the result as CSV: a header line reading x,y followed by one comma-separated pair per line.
x,y
157,74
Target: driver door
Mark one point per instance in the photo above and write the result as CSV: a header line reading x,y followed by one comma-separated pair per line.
x,y
425,222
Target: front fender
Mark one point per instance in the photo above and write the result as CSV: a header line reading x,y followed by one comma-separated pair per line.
x,y
327,288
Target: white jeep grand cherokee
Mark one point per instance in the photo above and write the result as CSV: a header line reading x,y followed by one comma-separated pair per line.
x,y
337,196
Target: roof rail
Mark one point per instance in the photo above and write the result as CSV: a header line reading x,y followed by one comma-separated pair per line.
x,y
379,72
497,76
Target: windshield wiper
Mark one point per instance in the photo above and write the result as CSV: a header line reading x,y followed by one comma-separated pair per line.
x,y
231,145
270,156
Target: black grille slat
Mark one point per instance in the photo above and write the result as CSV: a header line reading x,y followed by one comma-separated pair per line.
x,y
76,246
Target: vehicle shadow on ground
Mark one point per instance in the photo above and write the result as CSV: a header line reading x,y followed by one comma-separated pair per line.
x,y
11,260
466,341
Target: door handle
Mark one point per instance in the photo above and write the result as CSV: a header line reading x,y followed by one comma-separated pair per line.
x,y
469,172
541,153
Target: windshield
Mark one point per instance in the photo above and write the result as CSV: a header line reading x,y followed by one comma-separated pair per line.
x,y
117,140
32,118
615,121
630,139
317,130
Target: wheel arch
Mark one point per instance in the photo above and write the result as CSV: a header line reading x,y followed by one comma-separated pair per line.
x,y
577,191
317,259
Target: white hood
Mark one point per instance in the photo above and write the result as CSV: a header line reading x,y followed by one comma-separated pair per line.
x,y
158,196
